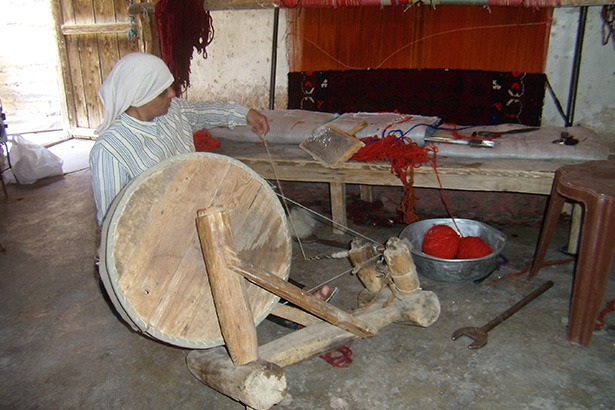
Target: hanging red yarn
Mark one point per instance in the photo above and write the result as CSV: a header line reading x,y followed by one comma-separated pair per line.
x,y
183,26
405,155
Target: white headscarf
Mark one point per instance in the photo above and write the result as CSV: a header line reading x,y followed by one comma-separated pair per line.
x,y
135,80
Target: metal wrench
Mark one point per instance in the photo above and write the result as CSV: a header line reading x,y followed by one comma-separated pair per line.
x,y
479,334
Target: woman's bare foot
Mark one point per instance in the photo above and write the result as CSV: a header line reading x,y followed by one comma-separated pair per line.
x,y
322,293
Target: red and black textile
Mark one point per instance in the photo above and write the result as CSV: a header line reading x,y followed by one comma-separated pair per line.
x,y
464,97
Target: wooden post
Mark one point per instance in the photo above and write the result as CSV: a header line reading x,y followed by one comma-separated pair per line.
x,y
401,265
360,252
337,193
366,193
228,288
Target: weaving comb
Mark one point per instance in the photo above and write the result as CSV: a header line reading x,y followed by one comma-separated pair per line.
x,y
331,146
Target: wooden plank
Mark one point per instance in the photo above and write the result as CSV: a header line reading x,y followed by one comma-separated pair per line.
x,y
125,45
287,162
74,68
68,100
141,8
81,13
422,308
106,54
299,297
261,4
95,28
90,70
88,48
499,175
294,315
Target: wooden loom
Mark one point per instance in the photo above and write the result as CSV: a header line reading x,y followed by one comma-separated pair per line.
x,y
187,287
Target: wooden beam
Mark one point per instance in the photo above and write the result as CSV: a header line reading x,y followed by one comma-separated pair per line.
x,y
421,308
213,5
258,385
299,297
228,290
68,97
95,28
141,8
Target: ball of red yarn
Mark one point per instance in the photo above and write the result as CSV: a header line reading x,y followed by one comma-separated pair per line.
x,y
472,247
441,241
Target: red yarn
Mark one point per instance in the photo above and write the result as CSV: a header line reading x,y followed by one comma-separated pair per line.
x,y
441,241
404,155
183,25
341,357
472,247
204,142
608,309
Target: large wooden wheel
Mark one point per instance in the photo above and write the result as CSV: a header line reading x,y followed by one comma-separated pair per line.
x,y
152,266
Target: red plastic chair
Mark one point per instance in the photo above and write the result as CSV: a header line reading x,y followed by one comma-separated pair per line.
x,y
592,184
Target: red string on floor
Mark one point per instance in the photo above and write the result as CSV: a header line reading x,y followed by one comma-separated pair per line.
x,y
341,357
608,309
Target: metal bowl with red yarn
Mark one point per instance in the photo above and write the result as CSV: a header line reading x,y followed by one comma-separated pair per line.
x,y
454,270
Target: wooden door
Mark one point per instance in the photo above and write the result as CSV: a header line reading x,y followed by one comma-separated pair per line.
x,y
92,35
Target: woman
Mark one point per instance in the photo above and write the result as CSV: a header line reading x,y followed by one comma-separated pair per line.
x,y
144,123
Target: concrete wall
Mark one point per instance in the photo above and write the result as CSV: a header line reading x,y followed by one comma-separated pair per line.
x,y
238,65
595,106
239,61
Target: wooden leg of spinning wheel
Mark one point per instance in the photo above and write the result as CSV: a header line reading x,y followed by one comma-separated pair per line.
x,y
258,384
227,287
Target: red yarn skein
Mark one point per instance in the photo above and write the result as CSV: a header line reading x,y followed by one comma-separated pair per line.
x,y
441,241
472,247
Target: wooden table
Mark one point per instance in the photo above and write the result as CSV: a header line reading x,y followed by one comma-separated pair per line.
x,y
292,164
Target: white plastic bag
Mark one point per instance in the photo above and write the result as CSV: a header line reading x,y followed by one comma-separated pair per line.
x,y
31,161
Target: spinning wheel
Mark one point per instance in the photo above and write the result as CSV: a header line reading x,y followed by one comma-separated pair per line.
x,y
182,280
151,261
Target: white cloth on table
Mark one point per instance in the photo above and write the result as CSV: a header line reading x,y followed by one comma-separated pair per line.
x,y
536,144
294,126
285,127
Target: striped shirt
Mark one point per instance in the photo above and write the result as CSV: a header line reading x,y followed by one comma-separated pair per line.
x,y
131,146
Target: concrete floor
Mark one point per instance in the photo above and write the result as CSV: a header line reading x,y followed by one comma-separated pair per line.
x,y
61,346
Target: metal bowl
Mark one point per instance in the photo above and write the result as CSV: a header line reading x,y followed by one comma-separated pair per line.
x,y
454,270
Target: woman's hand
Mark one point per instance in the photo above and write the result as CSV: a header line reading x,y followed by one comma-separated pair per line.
x,y
258,122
